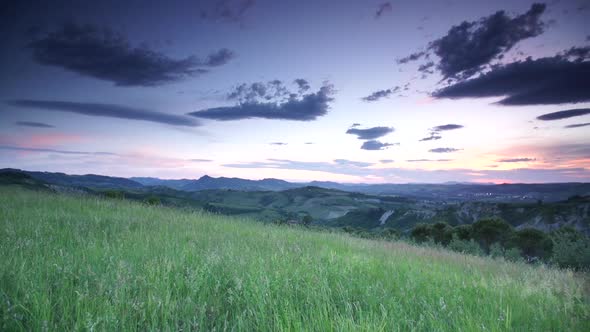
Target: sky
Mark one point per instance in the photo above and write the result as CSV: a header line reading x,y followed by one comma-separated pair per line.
x,y
332,90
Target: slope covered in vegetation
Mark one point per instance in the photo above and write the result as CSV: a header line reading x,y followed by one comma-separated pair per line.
x,y
84,262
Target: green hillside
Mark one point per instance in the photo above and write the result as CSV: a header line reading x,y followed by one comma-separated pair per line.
x,y
78,262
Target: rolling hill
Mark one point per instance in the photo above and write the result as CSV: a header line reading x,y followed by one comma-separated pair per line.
x,y
81,262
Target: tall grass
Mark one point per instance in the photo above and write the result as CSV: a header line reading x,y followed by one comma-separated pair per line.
x,y
83,263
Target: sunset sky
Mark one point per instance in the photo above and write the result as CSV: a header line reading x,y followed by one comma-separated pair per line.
x,y
342,90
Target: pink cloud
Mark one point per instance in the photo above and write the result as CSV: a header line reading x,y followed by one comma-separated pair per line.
x,y
53,139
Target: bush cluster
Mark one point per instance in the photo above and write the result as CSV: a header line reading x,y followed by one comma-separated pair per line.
x,y
495,237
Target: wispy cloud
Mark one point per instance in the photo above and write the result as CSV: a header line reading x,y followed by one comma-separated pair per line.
x,y
228,11
25,149
564,114
578,125
383,8
432,137
33,124
515,160
381,94
444,150
105,110
446,127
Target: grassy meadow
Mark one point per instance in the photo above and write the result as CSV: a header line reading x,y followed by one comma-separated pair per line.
x,y
86,263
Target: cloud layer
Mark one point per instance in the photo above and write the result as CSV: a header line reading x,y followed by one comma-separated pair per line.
x,y
446,127
370,133
104,54
469,46
24,149
578,125
553,80
105,110
515,160
271,101
564,114
444,150
33,124
376,145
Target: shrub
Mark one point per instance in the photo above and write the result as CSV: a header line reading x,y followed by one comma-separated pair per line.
x,y
152,200
117,194
497,251
389,234
465,247
571,249
534,243
513,255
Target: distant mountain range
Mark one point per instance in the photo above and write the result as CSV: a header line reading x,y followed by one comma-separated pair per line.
x,y
548,192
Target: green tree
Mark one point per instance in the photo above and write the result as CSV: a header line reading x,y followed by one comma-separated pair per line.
x,y
533,243
421,233
463,232
488,231
441,233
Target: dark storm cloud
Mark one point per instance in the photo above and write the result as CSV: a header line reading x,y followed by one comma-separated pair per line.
x,y
432,137
578,125
370,133
446,127
383,8
33,124
577,53
380,94
515,160
469,46
104,54
260,104
225,10
220,57
564,114
376,145
18,148
444,150
553,80
105,110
